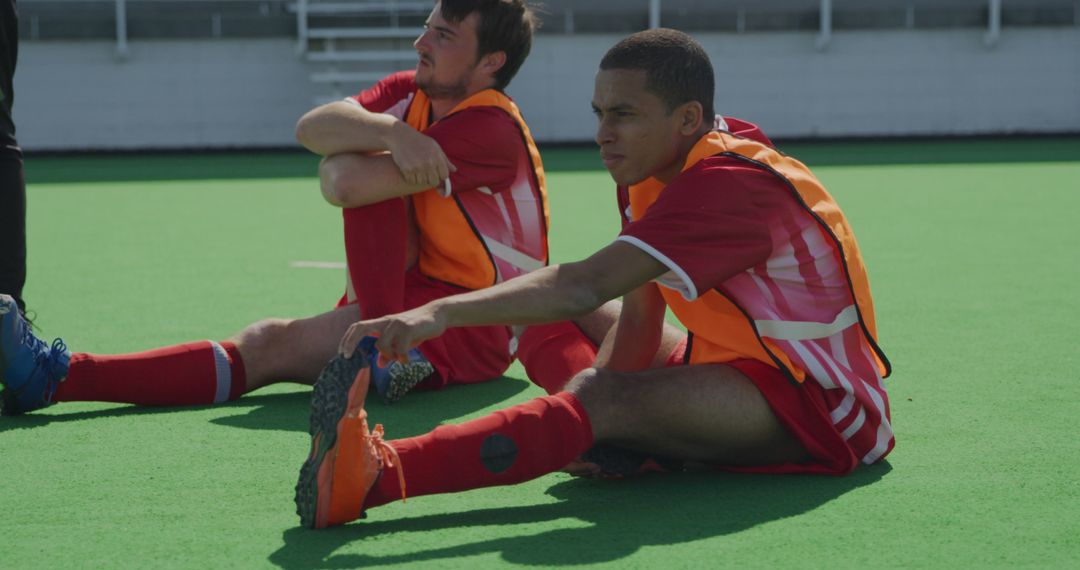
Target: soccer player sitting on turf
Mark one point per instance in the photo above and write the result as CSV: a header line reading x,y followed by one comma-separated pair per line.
x,y
443,192
780,373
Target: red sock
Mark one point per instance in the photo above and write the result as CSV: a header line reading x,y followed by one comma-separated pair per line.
x,y
376,238
203,372
509,446
552,354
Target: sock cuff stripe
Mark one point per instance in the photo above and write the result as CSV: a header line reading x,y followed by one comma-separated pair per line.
x,y
223,371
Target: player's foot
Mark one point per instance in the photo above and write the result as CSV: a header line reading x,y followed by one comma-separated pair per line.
x,y
605,461
395,380
346,459
29,368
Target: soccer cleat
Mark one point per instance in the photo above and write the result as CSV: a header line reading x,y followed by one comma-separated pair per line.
x,y
395,380
339,370
346,459
606,461
29,368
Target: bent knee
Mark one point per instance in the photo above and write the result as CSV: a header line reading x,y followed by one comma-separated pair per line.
x,y
263,338
585,385
598,391
609,405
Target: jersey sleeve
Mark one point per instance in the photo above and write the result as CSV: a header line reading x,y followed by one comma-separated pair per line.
x,y
391,95
708,225
484,143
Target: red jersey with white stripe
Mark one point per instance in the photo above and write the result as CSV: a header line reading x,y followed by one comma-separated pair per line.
x,y
496,187
734,231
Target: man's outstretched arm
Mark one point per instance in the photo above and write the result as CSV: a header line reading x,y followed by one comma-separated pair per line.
x,y
555,293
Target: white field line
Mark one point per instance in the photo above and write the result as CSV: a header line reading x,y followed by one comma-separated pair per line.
x,y
317,264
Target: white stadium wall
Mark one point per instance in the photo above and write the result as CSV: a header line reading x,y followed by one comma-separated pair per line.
x,y
249,93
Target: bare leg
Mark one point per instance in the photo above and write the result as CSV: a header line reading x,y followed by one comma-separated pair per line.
x,y
276,350
708,412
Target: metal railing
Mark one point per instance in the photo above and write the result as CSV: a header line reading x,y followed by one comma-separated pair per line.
x,y
739,15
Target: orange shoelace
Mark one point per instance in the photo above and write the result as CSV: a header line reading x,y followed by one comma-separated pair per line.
x,y
388,455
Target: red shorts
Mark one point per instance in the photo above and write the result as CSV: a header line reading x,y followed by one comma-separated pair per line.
x,y
462,355
803,411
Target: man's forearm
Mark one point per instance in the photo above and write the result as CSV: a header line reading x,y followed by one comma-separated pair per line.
x,y
353,180
342,126
551,294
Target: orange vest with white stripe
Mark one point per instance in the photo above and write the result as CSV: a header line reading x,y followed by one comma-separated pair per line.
x,y
454,246
736,320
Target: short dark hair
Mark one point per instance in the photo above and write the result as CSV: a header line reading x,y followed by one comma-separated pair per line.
x,y
676,67
505,25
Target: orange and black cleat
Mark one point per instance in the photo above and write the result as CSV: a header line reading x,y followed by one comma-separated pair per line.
x,y
346,459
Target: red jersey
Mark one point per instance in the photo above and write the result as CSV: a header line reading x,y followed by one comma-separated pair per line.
x,y
497,187
733,230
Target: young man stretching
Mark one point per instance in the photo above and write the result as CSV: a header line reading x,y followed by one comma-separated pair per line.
x,y
780,372
446,125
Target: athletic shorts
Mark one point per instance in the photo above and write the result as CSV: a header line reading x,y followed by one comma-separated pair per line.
x,y
462,355
802,409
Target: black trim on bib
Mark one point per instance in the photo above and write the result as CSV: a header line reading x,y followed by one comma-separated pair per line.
x,y
843,258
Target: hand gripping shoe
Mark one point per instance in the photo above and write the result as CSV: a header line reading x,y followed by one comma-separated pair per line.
x,y
395,380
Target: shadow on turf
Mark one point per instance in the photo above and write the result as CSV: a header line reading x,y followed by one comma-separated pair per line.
x,y
418,413
288,412
624,517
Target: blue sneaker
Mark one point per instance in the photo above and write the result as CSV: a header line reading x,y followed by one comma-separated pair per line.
x,y
29,368
396,379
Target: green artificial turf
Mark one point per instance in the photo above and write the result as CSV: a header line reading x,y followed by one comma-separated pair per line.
x,y
973,263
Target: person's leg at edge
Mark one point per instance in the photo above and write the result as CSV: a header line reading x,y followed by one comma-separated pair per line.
x,y
12,225
709,413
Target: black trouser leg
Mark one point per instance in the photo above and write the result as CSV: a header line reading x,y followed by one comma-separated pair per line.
x,y
12,226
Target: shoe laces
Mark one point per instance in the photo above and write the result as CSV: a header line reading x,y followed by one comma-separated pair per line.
x,y
49,362
30,339
389,456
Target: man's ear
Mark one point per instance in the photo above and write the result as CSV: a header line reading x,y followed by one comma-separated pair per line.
x,y
691,116
492,62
